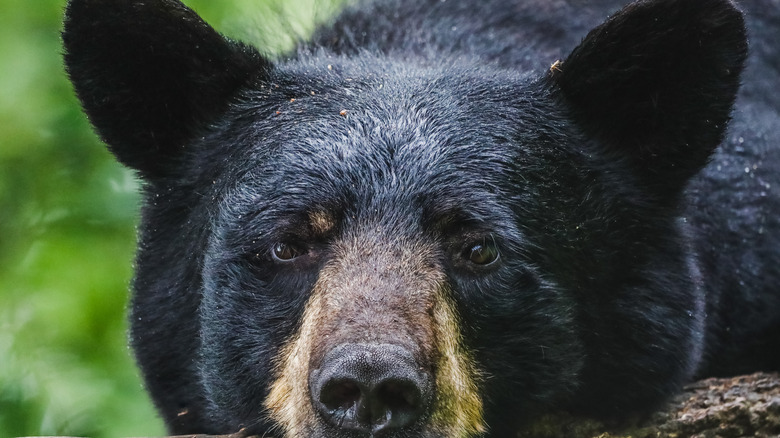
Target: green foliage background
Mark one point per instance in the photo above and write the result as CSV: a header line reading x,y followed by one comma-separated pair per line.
x,y
67,237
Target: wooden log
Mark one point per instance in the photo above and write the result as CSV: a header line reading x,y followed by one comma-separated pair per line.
x,y
744,406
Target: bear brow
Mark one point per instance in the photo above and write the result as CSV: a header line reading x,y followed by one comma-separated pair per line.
x,y
321,221
444,215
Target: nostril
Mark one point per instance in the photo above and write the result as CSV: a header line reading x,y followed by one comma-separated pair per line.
x,y
398,394
396,403
340,394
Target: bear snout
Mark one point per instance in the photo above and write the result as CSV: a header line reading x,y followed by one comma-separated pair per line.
x,y
370,388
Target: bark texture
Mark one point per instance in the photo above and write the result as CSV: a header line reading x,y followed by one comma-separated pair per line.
x,y
744,406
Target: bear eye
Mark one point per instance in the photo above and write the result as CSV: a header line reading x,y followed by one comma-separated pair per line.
x,y
482,253
285,252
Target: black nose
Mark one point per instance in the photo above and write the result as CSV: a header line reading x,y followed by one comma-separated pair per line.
x,y
370,388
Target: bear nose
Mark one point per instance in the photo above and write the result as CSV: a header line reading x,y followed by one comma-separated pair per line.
x,y
370,388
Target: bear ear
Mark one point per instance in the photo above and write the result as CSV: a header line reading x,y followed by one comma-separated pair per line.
x,y
149,74
656,83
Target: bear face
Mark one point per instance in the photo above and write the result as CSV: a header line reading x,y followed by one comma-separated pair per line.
x,y
411,237
390,231
357,215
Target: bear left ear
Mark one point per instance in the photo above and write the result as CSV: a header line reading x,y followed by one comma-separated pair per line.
x,y
656,84
150,74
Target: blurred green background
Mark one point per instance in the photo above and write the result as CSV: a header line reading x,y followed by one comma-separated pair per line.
x,y
68,213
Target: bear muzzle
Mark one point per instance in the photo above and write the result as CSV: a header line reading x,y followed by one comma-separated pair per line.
x,y
379,351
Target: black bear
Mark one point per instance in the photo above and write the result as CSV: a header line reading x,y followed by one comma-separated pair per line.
x,y
443,218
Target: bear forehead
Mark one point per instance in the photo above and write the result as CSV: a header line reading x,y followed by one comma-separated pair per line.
x,y
366,139
371,171
409,186
388,130
391,103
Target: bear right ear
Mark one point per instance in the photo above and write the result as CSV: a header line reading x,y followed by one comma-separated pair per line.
x,y
655,85
149,74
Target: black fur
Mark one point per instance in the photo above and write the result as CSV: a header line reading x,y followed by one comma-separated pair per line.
x,y
639,237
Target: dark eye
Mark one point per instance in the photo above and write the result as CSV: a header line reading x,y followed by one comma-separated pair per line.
x,y
285,252
482,253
